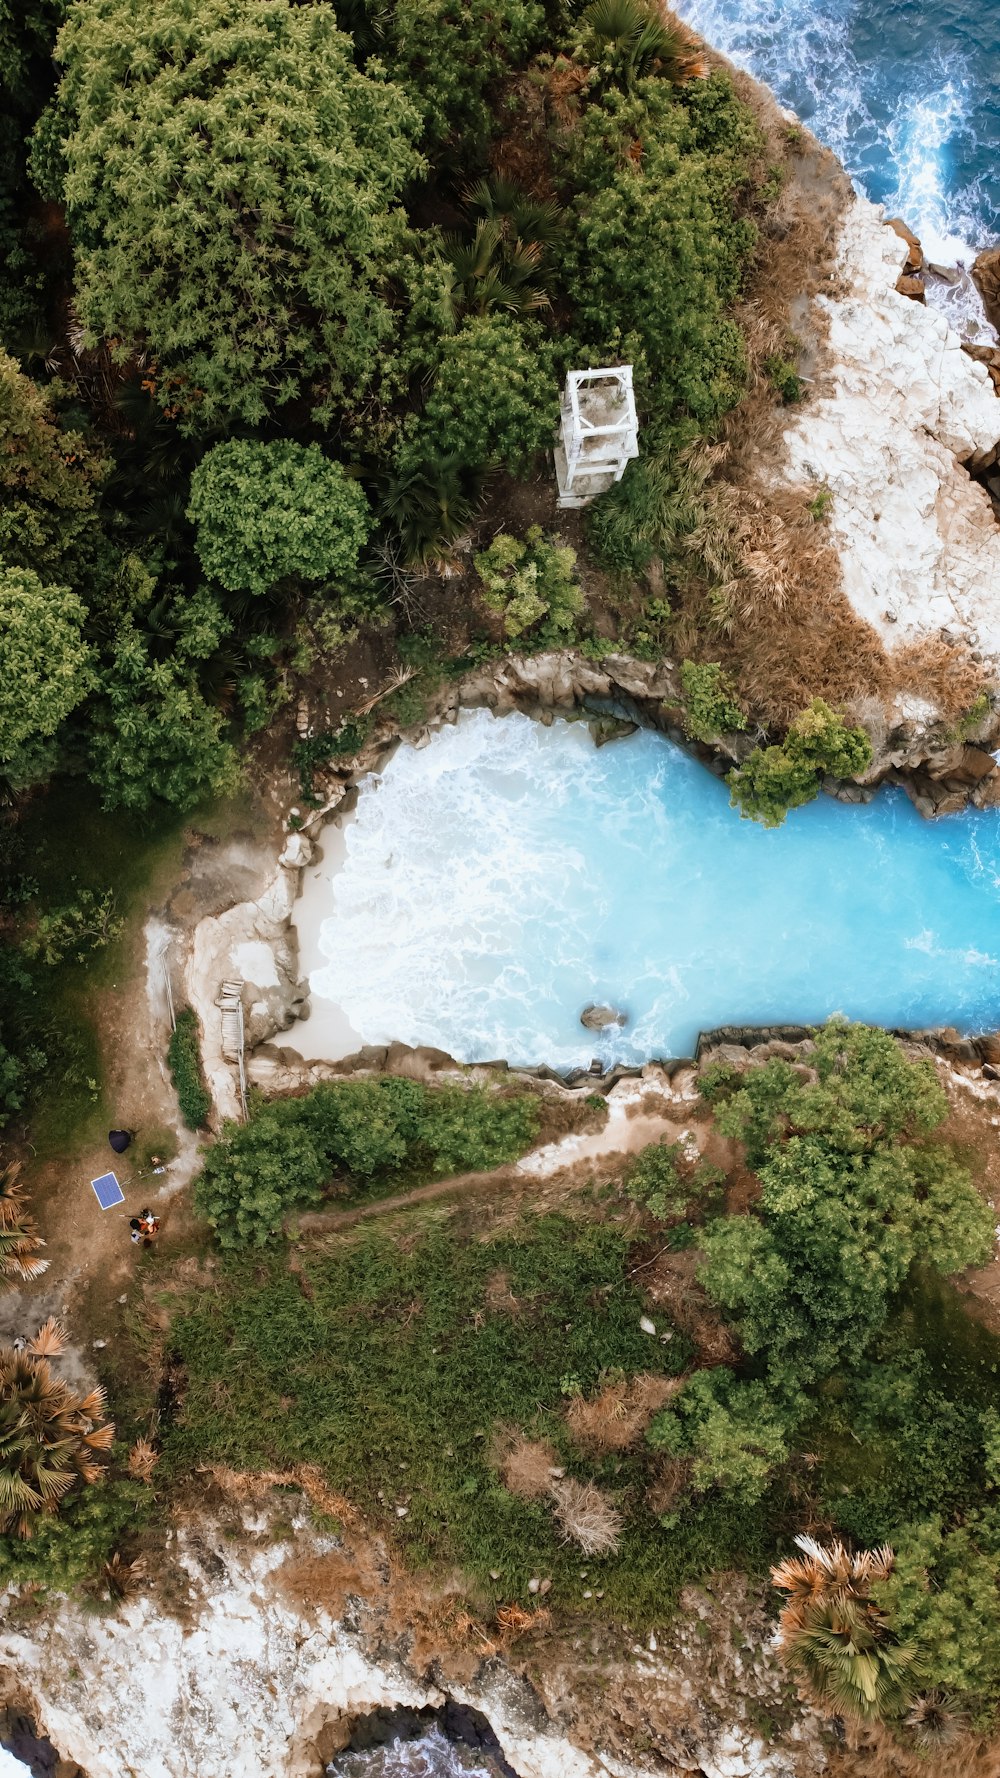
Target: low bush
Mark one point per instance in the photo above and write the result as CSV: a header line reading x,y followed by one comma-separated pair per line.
x,y
784,378
774,780
184,1059
531,583
89,922
711,706
266,513
360,1133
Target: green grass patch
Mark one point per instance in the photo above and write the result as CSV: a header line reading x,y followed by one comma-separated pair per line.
x,y
184,1058
388,1363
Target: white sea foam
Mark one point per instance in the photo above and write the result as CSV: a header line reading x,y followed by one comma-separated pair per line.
x,y
505,875
897,147
431,1755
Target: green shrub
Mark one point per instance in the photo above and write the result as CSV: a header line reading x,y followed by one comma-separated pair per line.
x,y
88,923
668,1185
258,294
711,707
184,1059
449,53
531,583
944,1595
733,1433
358,1131
845,1206
266,513
656,251
783,375
71,1547
659,501
775,779
318,750
495,396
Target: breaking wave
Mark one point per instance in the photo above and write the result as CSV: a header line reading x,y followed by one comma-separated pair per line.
x,y
905,95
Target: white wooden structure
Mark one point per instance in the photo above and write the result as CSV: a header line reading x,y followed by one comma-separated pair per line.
x,y
598,433
233,1046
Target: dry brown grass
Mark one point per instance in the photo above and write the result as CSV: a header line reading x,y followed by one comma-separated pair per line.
x,y
142,1460
616,1418
671,1476
243,1485
586,1517
940,671
874,1752
526,1465
670,1281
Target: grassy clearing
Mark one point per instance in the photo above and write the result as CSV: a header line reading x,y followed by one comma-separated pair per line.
x,y
395,1363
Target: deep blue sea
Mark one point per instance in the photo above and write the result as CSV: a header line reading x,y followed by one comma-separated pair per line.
x,y
907,92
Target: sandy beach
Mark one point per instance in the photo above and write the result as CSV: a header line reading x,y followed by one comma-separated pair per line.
x,y
327,1035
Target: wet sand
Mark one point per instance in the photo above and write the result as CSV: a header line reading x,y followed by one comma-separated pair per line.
x,y
327,1035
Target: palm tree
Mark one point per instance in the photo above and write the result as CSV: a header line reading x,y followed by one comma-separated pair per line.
x,y
48,1437
834,1634
19,1237
494,272
633,41
522,217
426,508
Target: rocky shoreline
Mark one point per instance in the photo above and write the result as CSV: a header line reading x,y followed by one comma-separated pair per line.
x,y
258,938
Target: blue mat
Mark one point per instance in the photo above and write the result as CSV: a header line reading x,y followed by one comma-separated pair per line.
x,y
107,1191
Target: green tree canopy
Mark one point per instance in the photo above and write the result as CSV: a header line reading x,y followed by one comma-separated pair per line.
x,y
732,1432
231,183
657,252
49,482
495,397
448,53
845,1205
270,512
46,670
775,779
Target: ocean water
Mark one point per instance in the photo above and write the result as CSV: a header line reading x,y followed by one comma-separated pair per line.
x,y
430,1755
905,91
502,877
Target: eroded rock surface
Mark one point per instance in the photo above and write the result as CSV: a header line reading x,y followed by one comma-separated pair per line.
x,y
252,1668
900,409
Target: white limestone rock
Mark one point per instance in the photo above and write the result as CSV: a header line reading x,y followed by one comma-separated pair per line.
x,y
899,408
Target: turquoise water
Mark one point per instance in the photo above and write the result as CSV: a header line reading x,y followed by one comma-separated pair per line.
x,y
506,875
905,91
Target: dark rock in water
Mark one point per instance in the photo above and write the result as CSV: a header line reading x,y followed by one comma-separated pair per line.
x,y
441,1743
611,728
599,1018
986,277
908,284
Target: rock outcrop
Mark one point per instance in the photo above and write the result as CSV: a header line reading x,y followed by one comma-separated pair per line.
x,y
897,412
256,945
986,275
253,1668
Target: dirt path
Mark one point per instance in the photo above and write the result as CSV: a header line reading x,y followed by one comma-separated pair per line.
x,y
325,1222
634,1121
92,1261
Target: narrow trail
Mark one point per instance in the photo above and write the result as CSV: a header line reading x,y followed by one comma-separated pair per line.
x,y
323,1222
626,1131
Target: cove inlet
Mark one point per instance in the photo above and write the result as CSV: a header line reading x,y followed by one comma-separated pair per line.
x,y
498,880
